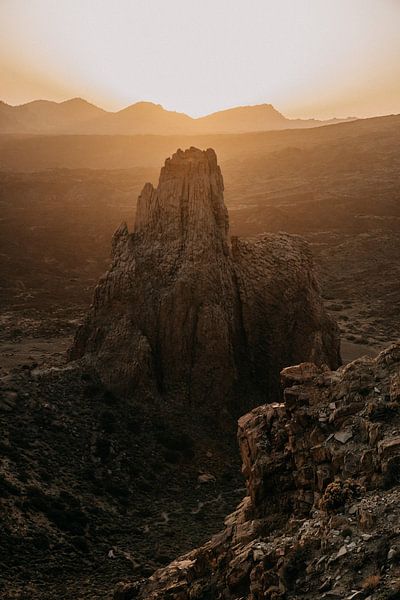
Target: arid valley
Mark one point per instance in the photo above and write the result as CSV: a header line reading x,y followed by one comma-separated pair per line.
x,y
199,300
62,199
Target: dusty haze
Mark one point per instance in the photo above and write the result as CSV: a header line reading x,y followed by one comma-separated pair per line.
x,y
311,58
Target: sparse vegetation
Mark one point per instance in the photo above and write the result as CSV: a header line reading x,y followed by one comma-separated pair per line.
x,y
338,493
371,583
85,470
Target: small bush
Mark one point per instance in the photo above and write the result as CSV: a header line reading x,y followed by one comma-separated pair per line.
x,y
370,583
338,493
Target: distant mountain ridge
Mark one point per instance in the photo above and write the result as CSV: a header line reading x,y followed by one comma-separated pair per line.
x,y
77,116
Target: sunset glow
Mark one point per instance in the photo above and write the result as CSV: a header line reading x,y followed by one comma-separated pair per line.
x,y
318,58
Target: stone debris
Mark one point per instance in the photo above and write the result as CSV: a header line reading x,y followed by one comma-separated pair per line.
x,y
343,436
300,533
392,554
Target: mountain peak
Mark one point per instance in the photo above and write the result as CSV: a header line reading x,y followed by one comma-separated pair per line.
x,y
77,102
143,105
77,116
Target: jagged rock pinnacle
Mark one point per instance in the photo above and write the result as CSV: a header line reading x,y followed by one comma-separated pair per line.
x,y
188,204
183,312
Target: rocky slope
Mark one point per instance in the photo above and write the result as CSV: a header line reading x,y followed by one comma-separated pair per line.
x,y
321,515
187,325
84,472
185,310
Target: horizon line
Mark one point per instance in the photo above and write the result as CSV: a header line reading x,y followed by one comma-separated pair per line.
x,y
158,104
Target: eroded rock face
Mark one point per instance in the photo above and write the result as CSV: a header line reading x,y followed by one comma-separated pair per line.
x,y
186,311
322,512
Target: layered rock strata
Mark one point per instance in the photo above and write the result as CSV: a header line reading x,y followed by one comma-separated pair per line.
x,y
321,518
187,311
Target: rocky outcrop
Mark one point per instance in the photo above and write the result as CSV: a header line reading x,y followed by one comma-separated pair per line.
x,y
321,518
185,310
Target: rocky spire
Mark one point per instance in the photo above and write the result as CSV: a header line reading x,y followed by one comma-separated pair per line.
x,y
183,312
188,204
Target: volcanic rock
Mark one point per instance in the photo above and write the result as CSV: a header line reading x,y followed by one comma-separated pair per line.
x,y
185,310
309,499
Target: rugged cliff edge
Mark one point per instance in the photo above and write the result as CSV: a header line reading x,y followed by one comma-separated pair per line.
x,y
185,310
321,518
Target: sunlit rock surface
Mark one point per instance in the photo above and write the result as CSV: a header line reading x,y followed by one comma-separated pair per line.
x,y
185,309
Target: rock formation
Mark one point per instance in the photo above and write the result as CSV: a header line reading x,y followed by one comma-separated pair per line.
x,y
322,511
185,310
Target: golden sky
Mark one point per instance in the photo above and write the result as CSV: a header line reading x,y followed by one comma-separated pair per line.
x,y
310,58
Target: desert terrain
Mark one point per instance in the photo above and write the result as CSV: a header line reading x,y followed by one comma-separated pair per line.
x,y
61,198
337,186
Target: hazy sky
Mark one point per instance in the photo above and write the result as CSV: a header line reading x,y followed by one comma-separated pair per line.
x,y
307,57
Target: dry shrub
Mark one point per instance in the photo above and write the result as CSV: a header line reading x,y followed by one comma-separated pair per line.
x,y
371,582
338,493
